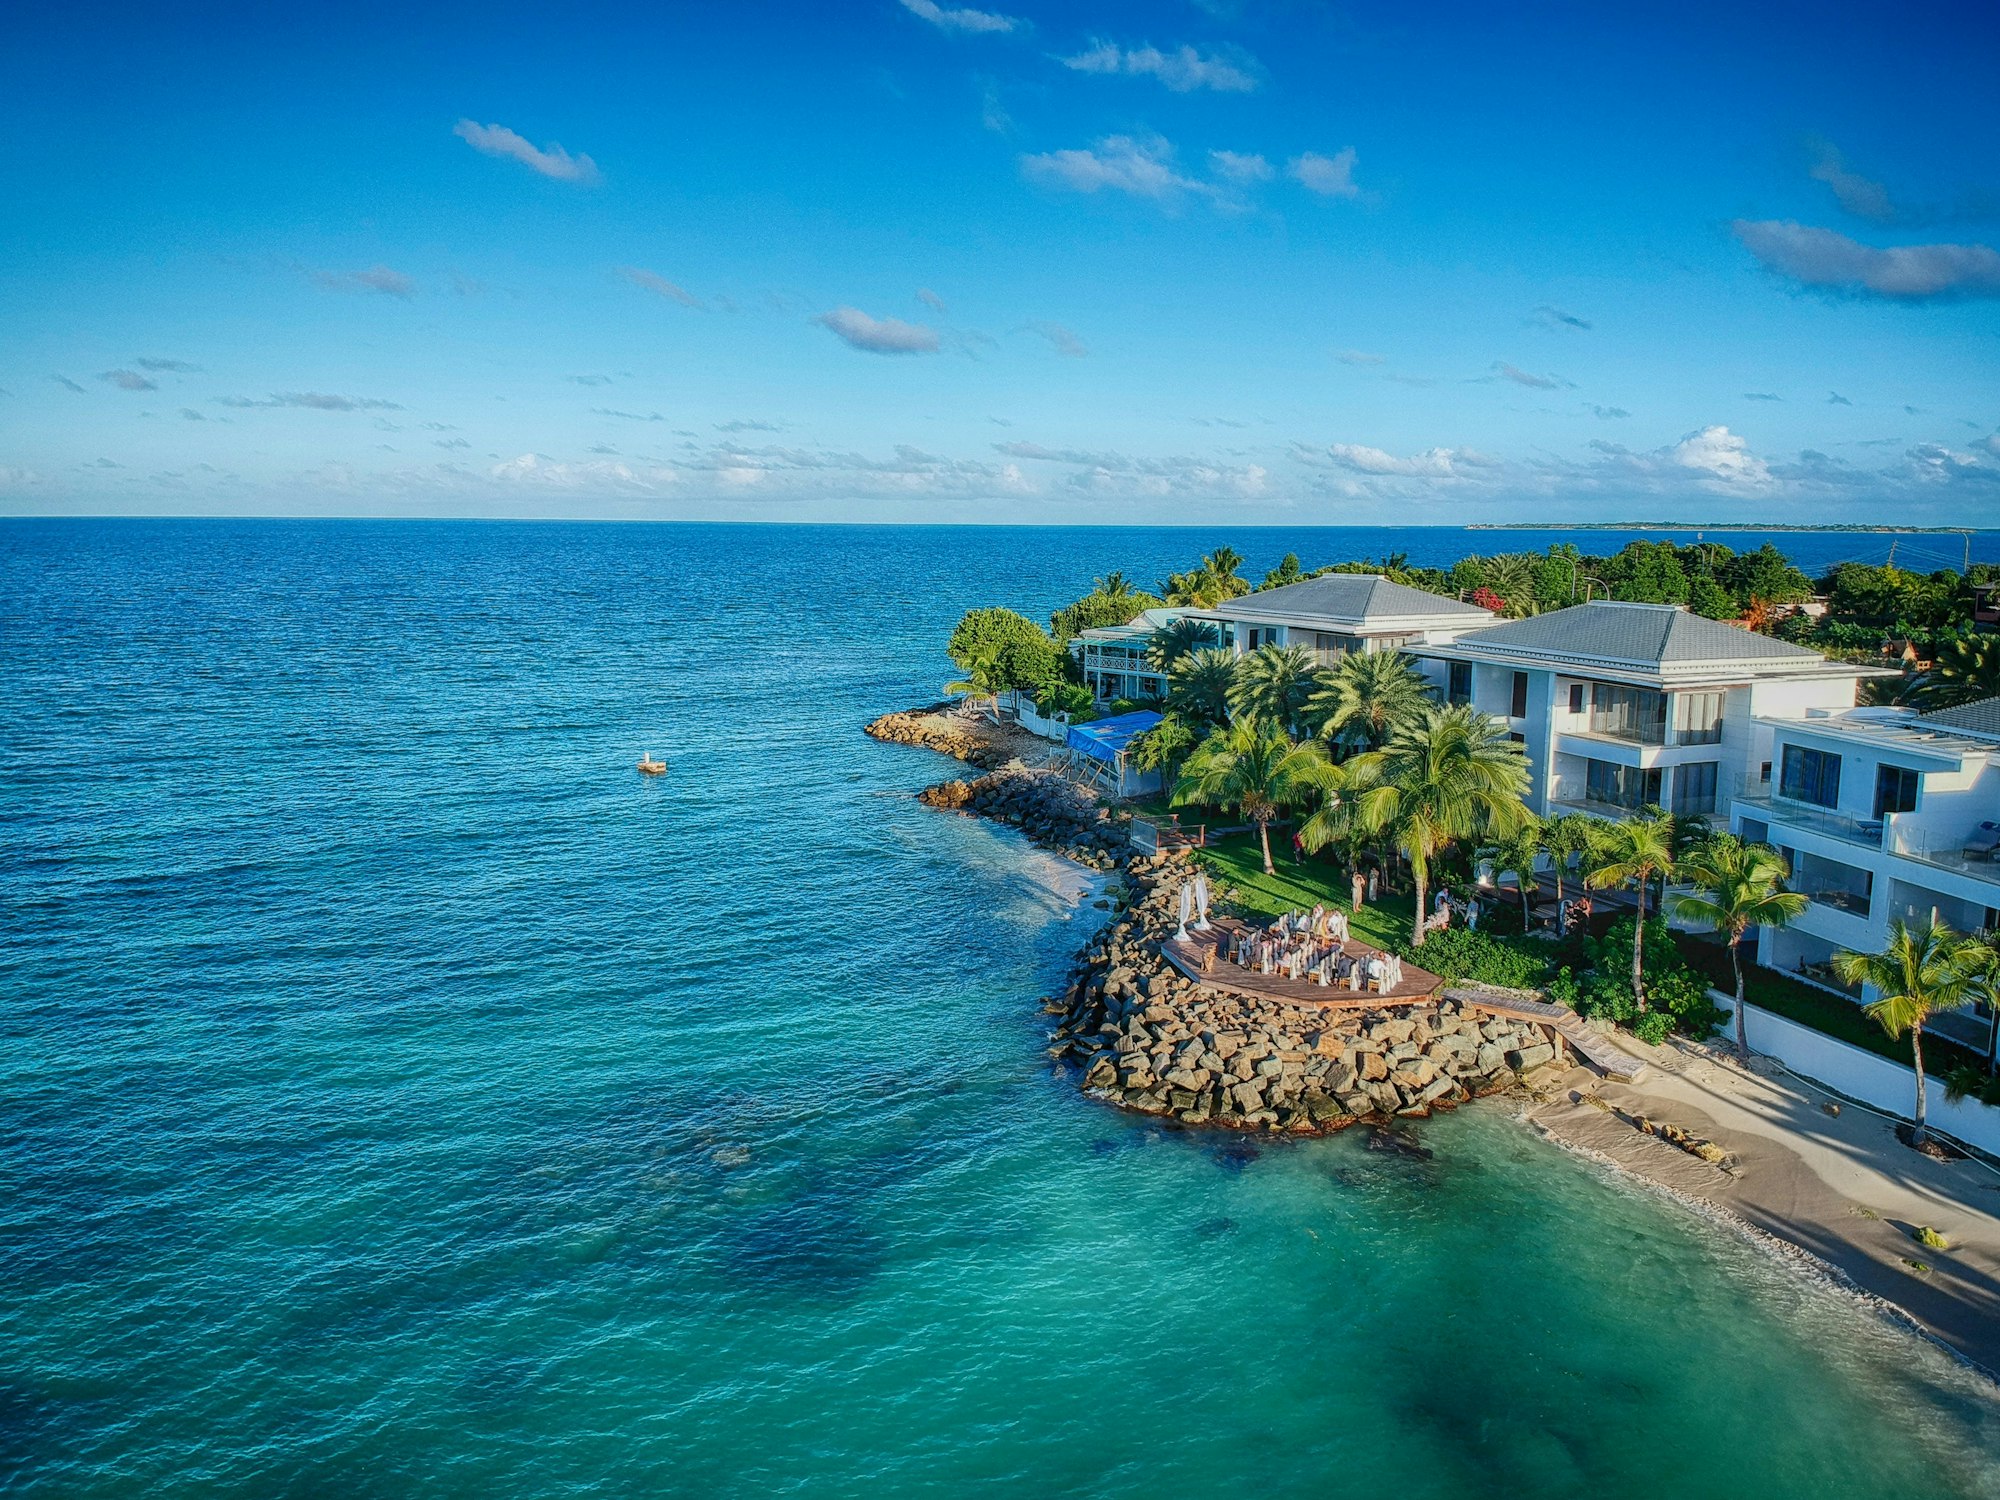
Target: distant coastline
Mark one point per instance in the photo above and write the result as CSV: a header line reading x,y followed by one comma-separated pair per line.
x,y
1720,526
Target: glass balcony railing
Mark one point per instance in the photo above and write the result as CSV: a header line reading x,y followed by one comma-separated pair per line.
x,y
1864,832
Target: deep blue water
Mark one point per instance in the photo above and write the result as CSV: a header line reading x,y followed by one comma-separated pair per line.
x,y
398,1095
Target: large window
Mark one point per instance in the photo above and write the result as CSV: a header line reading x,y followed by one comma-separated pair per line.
x,y
1628,787
1460,688
1697,718
1809,776
1694,788
1628,713
1519,707
1830,883
1895,790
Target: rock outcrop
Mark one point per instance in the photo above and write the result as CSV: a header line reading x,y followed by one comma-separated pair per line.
x,y
1148,1038
929,730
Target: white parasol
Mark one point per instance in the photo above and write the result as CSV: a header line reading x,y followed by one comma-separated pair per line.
x,y
1187,907
1201,902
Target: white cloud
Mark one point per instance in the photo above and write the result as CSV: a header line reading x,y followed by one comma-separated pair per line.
x,y
931,300
128,380
1860,196
550,161
1329,176
657,284
375,279
962,18
1525,377
1361,357
1240,167
1437,463
1721,455
1063,340
1119,164
878,335
172,366
1183,70
1903,273
313,401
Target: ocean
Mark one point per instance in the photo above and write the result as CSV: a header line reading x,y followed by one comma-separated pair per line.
x,y
401,1096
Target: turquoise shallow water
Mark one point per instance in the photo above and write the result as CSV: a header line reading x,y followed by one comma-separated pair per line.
x,y
398,1095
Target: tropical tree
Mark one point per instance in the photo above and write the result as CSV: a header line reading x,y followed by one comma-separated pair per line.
x,y
1564,839
1222,565
983,680
1363,696
1255,768
1200,683
1029,658
1920,974
1515,853
1631,853
1444,775
1967,670
1114,586
1273,683
1513,575
1737,886
1163,747
1178,638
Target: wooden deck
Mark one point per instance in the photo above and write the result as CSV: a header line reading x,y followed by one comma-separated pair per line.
x,y
1418,986
1191,956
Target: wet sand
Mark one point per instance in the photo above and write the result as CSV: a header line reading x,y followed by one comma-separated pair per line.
x,y
1841,1187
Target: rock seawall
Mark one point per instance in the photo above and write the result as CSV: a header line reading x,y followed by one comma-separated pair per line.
x,y
1149,1039
1043,806
927,729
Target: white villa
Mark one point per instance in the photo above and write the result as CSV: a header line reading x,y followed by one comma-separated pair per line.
x,y
1880,813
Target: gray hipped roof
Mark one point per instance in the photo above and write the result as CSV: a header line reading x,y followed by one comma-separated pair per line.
x,y
1648,635
1981,718
1353,598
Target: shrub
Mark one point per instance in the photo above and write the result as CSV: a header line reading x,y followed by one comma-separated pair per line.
x,y
1676,995
1025,657
1463,955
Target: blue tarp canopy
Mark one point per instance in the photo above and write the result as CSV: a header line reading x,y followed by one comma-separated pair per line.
x,y
1106,739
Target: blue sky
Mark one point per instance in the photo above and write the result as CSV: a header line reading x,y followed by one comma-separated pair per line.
x,y
910,260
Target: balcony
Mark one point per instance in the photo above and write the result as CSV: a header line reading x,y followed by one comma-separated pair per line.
x,y
1865,833
1933,847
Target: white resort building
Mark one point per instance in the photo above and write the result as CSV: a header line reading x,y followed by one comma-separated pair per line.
x,y
1880,813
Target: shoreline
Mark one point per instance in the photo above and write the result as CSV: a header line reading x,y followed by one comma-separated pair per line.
x,y
1822,1184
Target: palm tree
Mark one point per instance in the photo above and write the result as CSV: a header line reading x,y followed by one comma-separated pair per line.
x,y
1221,565
1563,839
1919,974
1513,575
1967,670
1364,695
1515,854
982,678
1445,775
1114,586
1255,768
1163,747
1631,853
1178,638
1201,681
1737,886
1272,683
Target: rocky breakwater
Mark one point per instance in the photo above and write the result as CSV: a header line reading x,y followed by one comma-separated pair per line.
x,y
1043,806
1150,1039
931,729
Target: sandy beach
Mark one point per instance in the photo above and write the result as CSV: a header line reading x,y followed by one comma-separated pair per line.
x,y
1839,1186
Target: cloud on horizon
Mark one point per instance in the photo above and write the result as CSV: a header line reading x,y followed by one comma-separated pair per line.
x,y
1826,260
548,161
312,401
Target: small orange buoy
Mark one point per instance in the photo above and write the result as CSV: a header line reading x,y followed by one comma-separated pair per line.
x,y
650,767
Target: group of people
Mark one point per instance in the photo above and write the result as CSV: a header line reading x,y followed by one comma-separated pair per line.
x,y
1448,908
1309,946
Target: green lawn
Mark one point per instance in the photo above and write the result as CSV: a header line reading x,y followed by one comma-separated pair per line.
x,y
1238,862
1809,1005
